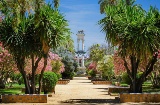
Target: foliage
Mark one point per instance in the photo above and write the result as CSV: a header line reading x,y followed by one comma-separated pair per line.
x,y
7,66
96,52
155,75
49,81
32,35
92,73
119,67
136,33
53,64
92,66
59,75
70,65
17,77
104,3
125,78
106,67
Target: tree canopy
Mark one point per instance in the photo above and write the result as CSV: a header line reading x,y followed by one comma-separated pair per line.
x,y
136,33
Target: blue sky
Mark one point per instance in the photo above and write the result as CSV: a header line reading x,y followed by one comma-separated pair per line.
x,y
84,15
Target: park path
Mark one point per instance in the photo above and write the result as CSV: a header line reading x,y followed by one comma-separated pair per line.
x,y
81,90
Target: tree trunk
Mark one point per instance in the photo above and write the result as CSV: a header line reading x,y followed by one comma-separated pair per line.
x,y
41,75
134,68
2,84
26,82
136,86
34,68
20,65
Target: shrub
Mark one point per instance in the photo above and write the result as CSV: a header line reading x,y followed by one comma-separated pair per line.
x,y
59,75
92,73
72,74
17,77
126,79
139,74
49,81
68,75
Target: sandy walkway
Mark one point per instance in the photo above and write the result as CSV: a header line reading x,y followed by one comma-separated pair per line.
x,y
81,90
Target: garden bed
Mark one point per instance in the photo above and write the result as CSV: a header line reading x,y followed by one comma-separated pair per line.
x,y
139,97
42,90
24,98
63,81
117,90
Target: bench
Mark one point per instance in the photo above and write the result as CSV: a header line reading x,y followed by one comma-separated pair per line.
x,y
139,97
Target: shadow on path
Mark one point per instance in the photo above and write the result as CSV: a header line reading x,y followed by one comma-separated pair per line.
x,y
84,82
102,88
91,101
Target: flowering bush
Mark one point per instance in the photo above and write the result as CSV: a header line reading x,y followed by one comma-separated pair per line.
x,y
7,65
53,64
92,66
118,64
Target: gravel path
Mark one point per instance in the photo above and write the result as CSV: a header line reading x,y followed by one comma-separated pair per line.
x,y
81,90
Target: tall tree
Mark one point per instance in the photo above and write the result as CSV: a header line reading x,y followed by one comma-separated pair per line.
x,y
136,33
32,35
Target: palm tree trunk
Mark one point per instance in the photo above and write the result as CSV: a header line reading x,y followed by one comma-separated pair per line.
x,y
20,66
41,75
34,68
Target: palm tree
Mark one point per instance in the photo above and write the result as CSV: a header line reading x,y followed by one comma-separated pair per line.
x,y
136,34
104,3
29,37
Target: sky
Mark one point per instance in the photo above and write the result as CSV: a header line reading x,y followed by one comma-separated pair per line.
x,y
84,15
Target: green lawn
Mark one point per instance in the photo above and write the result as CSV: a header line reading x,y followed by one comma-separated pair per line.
x,y
15,89
147,87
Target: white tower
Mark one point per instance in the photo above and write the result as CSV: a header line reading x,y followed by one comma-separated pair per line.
x,y
80,50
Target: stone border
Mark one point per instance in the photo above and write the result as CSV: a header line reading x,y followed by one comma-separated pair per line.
x,y
118,90
139,97
24,98
63,82
101,82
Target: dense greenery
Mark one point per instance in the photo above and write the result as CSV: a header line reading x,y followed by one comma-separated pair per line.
x,y
106,67
69,62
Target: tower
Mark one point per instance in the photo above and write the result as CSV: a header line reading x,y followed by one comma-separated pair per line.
x,y
80,49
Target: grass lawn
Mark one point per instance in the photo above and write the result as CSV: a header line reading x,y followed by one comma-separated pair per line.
x,y
147,87
15,89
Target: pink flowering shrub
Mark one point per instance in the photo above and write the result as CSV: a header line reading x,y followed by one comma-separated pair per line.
x,y
92,66
7,63
52,58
